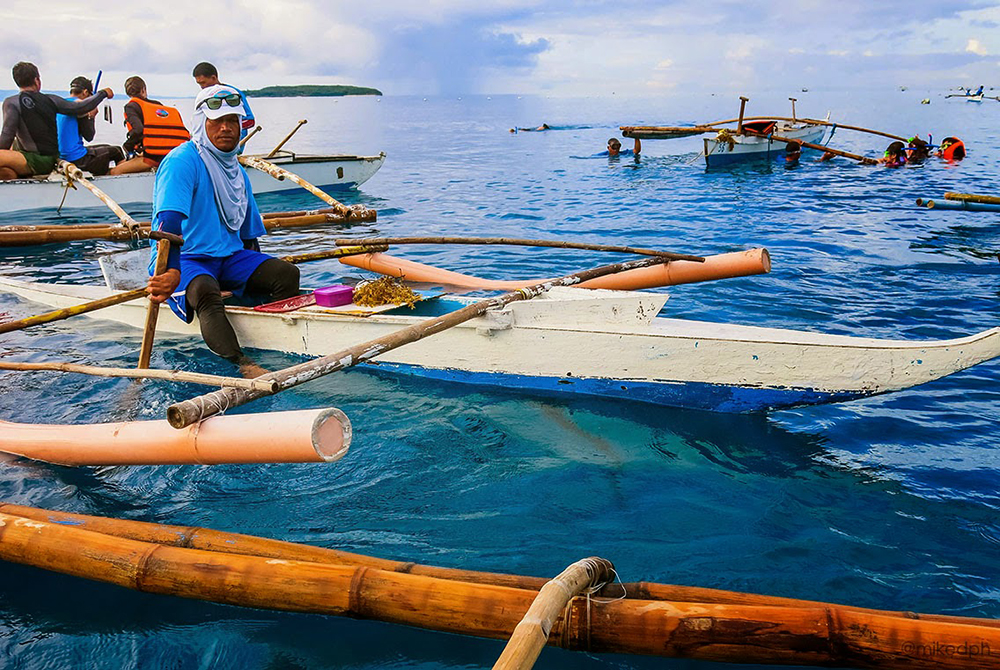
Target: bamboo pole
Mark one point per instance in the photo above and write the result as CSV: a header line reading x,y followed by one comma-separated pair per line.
x,y
739,122
287,137
864,160
75,174
19,236
185,413
734,633
66,312
966,205
972,197
649,132
207,539
249,135
341,252
532,633
513,241
168,375
281,174
163,244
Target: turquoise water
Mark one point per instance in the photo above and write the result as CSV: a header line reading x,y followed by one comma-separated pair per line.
x,y
888,502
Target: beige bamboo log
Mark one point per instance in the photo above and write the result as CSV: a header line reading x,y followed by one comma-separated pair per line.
x,y
167,375
718,266
532,633
514,241
194,537
972,197
75,174
304,436
281,174
301,212
67,312
733,633
285,141
190,411
864,160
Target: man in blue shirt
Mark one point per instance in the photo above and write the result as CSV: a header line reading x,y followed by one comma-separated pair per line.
x,y
205,75
73,130
202,193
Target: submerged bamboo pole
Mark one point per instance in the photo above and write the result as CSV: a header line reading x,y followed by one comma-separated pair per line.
x,y
67,312
190,411
825,635
532,633
515,241
207,539
972,197
135,373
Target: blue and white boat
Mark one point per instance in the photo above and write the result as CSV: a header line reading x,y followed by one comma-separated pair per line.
x,y
594,342
730,146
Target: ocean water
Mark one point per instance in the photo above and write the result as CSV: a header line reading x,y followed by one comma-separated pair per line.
x,y
888,502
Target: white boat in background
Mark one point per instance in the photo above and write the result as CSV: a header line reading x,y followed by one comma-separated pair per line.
x,y
730,146
326,171
602,343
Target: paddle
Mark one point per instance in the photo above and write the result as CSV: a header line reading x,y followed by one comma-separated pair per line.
x,y
864,160
287,137
75,174
163,243
185,413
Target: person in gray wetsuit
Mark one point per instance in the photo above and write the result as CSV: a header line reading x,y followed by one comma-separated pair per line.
x,y
29,116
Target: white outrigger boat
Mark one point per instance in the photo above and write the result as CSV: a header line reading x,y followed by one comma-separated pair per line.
x,y
729,147
325,171
601,343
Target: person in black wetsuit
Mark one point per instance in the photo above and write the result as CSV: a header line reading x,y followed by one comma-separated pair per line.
x,y
29,116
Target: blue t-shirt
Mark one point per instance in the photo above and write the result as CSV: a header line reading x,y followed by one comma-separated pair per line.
x,y
183,185
70,143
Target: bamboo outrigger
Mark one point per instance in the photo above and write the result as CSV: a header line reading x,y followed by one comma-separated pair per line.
x,y
640,618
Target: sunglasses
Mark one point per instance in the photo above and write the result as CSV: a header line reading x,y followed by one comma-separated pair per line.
x,y
233,100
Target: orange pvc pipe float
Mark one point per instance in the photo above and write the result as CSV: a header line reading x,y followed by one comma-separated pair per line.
x,y
304,436
719,266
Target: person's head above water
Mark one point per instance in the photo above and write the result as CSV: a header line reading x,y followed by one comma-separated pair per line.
x,y
614,146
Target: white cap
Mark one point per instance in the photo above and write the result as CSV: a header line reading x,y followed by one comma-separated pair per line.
x,y
223,93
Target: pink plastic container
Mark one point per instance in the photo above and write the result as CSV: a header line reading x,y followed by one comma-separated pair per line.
x,y
334,296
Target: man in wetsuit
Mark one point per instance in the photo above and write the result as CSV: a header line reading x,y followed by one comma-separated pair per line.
x,y
205,75
30,117
73,130
203,194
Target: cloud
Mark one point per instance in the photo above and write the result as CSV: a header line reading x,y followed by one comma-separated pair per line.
x,y
973,46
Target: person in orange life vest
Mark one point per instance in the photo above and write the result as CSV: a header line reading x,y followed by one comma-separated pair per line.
x,y
205,75
153,129
952,149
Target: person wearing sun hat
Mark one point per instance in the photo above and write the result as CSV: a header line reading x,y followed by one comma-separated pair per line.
x,y
203,194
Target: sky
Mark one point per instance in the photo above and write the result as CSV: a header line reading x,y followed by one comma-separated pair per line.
x,y
555,48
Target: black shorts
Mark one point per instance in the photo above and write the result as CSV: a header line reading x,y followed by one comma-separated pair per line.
x,y
97,161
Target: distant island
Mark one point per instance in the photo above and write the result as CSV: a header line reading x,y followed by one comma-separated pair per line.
x,y
309,90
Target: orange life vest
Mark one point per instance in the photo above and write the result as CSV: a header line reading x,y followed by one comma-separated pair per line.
x,y
952,148
162,128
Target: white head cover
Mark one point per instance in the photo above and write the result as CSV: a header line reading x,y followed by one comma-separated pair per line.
x,y
228,182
